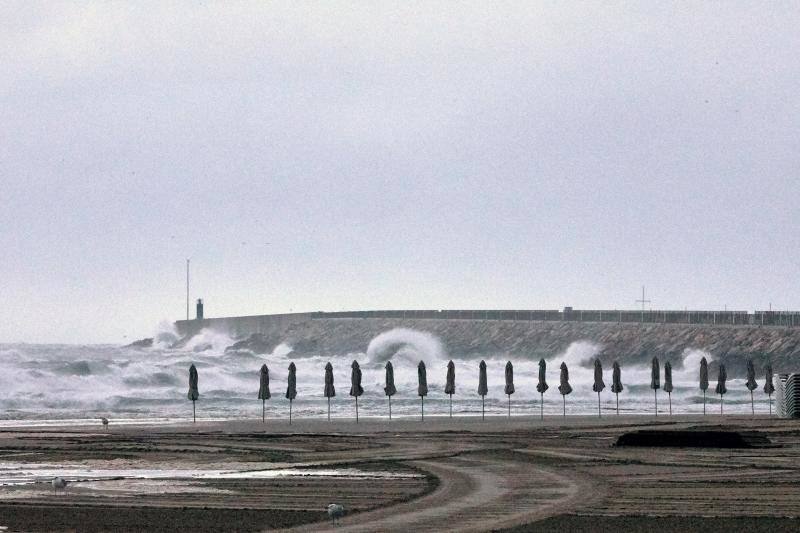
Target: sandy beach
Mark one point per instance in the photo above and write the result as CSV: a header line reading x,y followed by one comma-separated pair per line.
x,y
461,474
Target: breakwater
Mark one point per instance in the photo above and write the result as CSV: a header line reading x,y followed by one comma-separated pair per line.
x,y
524,334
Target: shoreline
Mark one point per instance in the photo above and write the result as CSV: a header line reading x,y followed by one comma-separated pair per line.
x,y
514,475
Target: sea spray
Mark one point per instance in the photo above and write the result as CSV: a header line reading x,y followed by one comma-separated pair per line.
x,y
49,382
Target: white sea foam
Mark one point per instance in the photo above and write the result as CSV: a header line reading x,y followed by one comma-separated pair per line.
x,y
51,382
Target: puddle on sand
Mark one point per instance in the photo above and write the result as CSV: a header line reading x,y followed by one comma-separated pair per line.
x,y
12,474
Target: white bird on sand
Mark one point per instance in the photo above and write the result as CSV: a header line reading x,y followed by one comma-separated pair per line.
x,y
59,483
335,511
104,420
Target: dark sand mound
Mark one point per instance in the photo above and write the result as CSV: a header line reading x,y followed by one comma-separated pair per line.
x,y
695,439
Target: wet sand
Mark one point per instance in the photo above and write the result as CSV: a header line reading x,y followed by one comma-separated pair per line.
x,y
461,474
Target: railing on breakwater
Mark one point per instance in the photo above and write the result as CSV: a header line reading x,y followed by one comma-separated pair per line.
x,y
733,318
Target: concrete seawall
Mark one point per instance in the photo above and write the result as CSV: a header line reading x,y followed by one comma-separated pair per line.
x,y
319,334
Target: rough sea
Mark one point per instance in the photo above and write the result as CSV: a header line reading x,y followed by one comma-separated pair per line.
x,y
54,383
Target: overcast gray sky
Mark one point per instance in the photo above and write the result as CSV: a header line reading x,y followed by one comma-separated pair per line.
x,y
328,156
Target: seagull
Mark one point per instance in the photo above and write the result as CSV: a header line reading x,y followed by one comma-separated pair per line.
x,y
59,483
335,511
104,420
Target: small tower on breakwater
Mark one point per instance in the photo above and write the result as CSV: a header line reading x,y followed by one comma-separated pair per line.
x,y
199,309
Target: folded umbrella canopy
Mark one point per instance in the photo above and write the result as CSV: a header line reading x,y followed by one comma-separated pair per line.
x,y
422,389
655,380
769,388
263,389
721,388
389,389
704,380
616,382
542,386
355,384
509,389
483,388
668,384
193,393
450,384
291,388
598,385
330,390
751,384
564,388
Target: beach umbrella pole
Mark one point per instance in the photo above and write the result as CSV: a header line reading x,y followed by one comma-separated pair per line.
x,y
752,405
541,406
451,406
770,404
329,408
720,403
669,395
655,395
617,394
704,403
263,408
422,407
194,418
356,409
509,406
390,407
290,412
564,397
483,405
598,405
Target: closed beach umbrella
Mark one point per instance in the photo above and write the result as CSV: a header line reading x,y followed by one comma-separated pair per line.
x,y
599,385
422,389
193,393
509,390
355,384
263,389
616,382
564,388
769,388
390,390
668,384
542,386
291,388
655,380
721,388
450,385
751,384
483,388
704,380
330,390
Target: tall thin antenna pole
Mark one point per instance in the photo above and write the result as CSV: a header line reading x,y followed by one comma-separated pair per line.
x,y
187,289
643,301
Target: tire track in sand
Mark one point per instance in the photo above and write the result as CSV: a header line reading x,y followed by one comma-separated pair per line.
x,y
476,492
